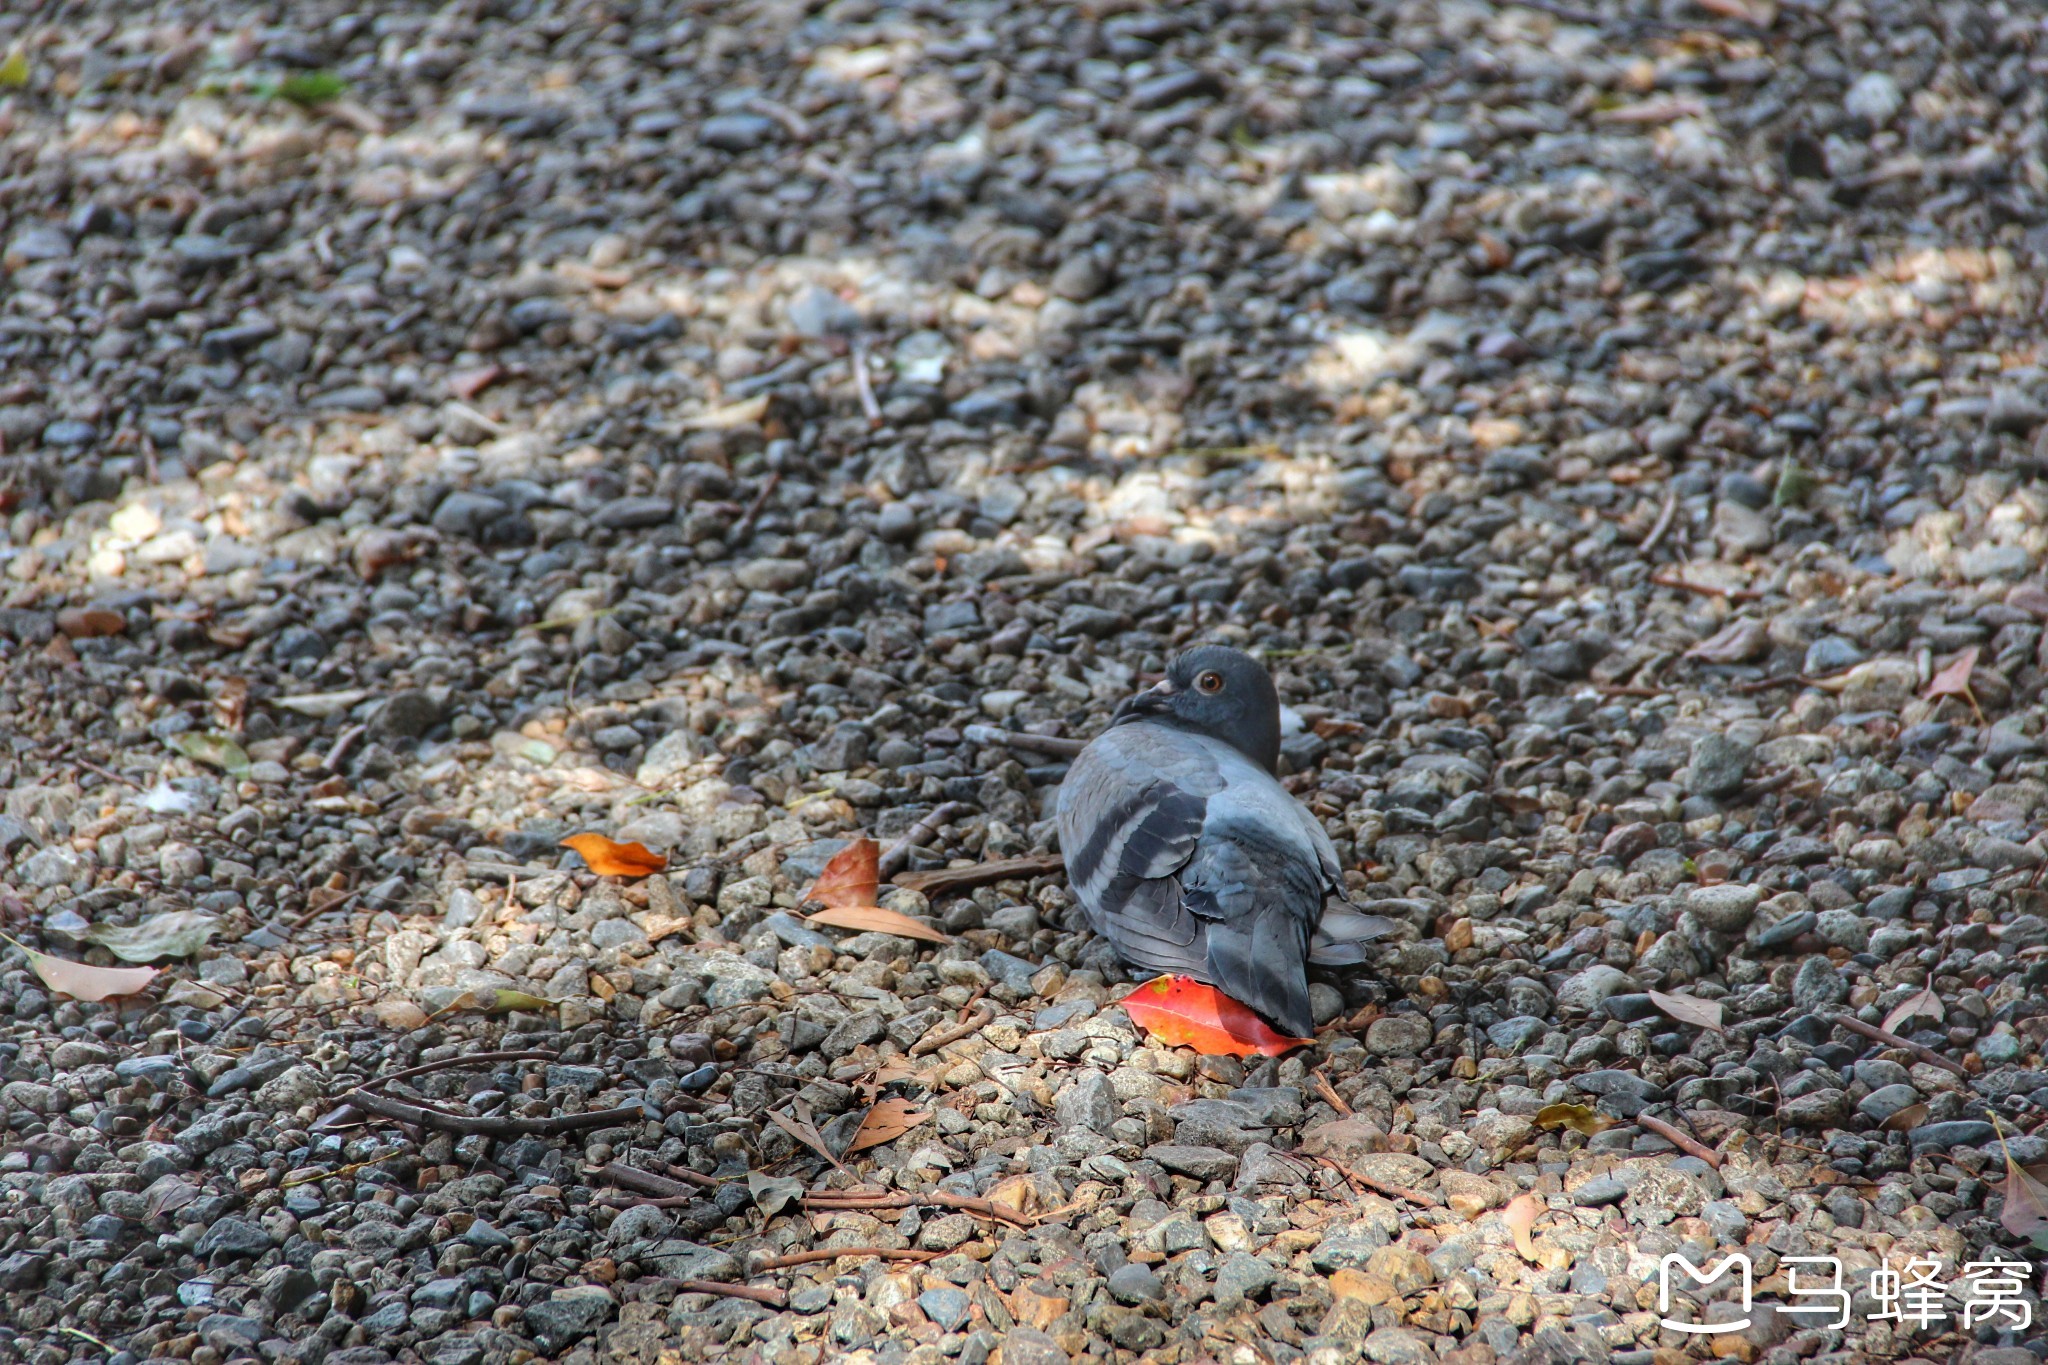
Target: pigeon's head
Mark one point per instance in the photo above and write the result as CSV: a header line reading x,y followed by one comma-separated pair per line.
x,y
1220,692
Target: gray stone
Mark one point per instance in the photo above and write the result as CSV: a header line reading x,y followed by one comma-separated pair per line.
x,y
1719,765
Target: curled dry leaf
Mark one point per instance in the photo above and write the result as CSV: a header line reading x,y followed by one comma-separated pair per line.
x,y
873,919
610,859
1182,1012
1735,643
1520,1216
772,1194
214,750
175,933
1954,680
1688,1009
885,1122
82,981
1921,1004
1907,1119
1574,1116
803,1130
2026,1199
169,1194
853,877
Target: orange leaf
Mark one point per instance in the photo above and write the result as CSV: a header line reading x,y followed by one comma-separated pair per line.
x,y
609,859
1954,681
873,919
886,1122
1182,1012
853,877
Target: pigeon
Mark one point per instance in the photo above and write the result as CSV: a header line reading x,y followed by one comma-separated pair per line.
x,y
1189,856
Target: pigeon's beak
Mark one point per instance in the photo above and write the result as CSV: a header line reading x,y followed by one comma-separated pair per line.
x,y
1155,698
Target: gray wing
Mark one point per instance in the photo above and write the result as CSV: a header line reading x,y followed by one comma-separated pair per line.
x,y
1191,860
1130,815
1257,881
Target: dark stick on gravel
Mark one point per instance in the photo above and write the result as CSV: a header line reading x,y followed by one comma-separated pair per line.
x,y
947,881
1051,745
774,1298
834,1253
937,1199
1664,520
453,1063
745,525
342,744
644,1182
898,853
1890,1039
981,1019
1392,1191
1683,1142
440,1119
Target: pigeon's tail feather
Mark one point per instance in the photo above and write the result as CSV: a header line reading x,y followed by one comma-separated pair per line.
x,y
1342,937
1260,961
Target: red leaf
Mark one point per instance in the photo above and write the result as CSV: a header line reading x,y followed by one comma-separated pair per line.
x,y
1954,681
1182,1012
853,877
609,859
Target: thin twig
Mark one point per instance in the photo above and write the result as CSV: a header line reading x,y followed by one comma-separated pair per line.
x,y
1890,1039
834,1253
422,1116
745,524
976,1022
892,861
342,744
1329,1093
690,1177
871,409
1051,745
1668,580
91,766
857,1201
1776,680
1684,1142
1387,1188
644,1182
949,881
311,912
774,1298
455,1062
1664,520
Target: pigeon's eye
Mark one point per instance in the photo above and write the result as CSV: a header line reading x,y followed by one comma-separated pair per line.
x,y
1210,682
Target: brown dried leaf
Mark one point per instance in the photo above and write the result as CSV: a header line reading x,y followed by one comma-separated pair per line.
x,y
806,1132
1574,1116
853,877
1687,1009
1954,680
169,1194
91,623
886,1122
1923,1003
1520,1216
1735,643
610,859
1912,1116
873,919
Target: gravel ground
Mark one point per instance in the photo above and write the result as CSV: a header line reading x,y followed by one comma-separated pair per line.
x,y
689,422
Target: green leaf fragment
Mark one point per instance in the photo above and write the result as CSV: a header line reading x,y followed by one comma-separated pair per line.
x,y
215,750
311,87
